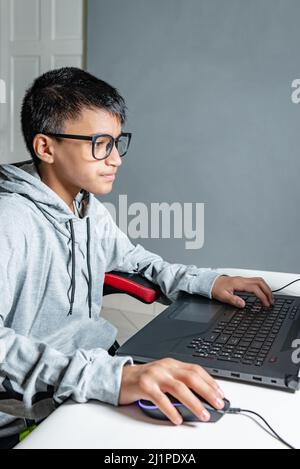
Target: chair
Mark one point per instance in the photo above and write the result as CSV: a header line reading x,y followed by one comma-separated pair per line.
x,y
134,285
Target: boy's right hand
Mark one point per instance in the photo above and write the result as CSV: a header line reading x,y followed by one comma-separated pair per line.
x,y
153,380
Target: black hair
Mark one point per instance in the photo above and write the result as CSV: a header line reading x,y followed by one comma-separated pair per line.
x,y
62,94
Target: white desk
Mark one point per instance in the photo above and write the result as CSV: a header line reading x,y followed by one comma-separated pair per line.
x,y
97,425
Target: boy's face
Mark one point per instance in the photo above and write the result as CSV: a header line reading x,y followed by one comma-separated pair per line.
x,y
71,162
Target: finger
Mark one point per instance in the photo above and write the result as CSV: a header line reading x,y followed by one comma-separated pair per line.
x,y
179,365
259,293
193,402
183,394
252,286
203,389
205,376
265,287
234,300
165,405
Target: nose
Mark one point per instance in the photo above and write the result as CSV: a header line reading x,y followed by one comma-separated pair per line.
x,y
114,158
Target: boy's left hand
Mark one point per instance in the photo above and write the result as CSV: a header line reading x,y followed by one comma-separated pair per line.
x,y
224,288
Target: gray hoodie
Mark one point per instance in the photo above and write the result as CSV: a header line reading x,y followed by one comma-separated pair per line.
x,y
53,340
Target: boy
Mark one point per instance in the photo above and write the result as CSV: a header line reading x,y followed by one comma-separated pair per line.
x,y
57,242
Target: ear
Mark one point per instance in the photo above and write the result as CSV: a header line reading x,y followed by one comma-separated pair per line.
x,y
44,148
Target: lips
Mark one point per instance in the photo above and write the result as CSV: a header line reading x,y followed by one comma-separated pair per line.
x,y
109,177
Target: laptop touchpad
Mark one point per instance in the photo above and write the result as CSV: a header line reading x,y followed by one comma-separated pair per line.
x,y
203,313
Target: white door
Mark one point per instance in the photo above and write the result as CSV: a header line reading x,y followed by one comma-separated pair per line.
x,y
35,36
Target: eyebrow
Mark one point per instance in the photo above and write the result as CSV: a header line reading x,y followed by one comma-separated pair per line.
x,y
105,133
80,136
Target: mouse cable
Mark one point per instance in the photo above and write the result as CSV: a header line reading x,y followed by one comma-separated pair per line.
x,y
243,411
279,289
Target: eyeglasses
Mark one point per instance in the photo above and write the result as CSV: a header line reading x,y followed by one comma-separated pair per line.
x,y
102,144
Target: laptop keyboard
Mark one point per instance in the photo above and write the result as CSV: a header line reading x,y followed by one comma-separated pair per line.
x,y
248,335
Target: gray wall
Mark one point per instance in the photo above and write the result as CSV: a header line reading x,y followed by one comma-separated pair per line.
x,y
208,86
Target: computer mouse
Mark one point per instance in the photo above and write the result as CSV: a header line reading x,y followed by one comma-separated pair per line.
x,y
150,409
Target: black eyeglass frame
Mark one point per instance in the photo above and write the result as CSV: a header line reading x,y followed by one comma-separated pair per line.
x,y
93,139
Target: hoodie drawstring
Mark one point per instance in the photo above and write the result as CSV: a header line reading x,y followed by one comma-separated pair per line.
x,y
73,279
89,265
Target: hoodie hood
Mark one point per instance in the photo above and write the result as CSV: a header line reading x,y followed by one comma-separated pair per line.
x,y
24,180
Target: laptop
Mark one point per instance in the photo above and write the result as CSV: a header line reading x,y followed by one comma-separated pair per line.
x,y
253,345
